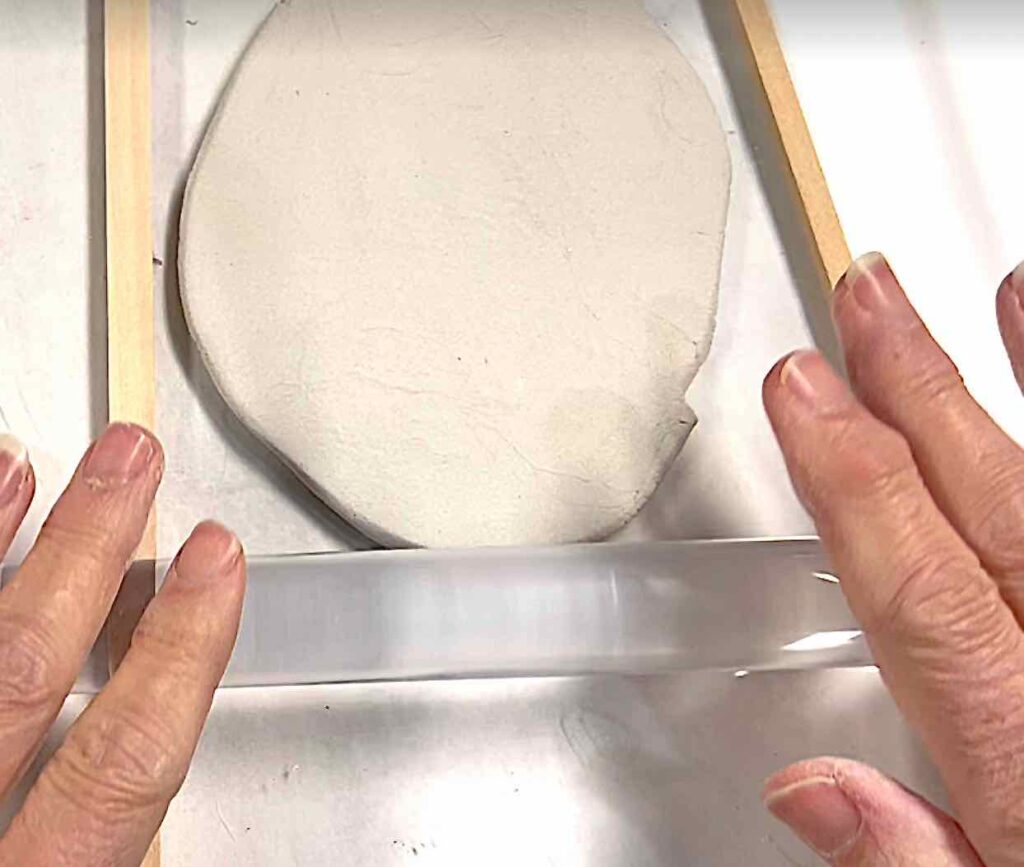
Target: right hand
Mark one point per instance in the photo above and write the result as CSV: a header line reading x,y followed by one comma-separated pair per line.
x,y
919,498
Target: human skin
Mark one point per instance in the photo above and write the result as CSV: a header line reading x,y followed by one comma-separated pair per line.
x,y
917,494
919,498
101,798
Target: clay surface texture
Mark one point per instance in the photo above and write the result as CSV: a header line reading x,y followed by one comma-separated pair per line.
x,y
456,261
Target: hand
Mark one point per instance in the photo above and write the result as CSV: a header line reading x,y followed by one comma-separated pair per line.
x,y
919,498
102,796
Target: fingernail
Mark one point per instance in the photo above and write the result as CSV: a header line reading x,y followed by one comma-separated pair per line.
x,y
219,543
869,281
232,551
1015,282
818,811
13,467
211,551
809,377
122,452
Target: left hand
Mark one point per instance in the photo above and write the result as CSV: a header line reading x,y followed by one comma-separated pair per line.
x,y
102,796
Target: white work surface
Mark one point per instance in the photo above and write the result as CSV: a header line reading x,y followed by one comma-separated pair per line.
x,y
909,106
730,482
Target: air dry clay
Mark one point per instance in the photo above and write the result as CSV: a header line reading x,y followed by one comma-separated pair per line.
x,y
456,261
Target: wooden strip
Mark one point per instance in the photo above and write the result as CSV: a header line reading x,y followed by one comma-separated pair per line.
x,y
131,370
801,157
132,374
131,384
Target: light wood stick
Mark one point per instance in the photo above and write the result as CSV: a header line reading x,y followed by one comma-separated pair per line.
x,y
131,370
801,157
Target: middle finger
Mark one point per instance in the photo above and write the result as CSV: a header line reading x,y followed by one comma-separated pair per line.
x,y
974,471
53,609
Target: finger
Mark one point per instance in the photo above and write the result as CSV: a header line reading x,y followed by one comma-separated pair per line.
x,y
101,798
1010,313
55,605
907,381
948,646
853,816
17,486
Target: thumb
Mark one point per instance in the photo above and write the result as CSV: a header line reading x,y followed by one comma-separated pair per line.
x,y
853,816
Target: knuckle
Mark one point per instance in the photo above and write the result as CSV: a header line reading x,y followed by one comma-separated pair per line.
x,y
871,464
178,657
92,543
933,379
120,762
945,596
913,368
31,680
996,525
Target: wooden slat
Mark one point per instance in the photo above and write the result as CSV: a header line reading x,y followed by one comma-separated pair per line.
x,y
801,157
132,376
131,370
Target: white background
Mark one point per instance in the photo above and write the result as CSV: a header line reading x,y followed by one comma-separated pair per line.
x,y
915,111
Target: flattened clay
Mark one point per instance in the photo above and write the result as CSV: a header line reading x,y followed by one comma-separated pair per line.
x,y
456,261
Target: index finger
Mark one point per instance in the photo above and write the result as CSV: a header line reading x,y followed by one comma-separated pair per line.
x,y
947,644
